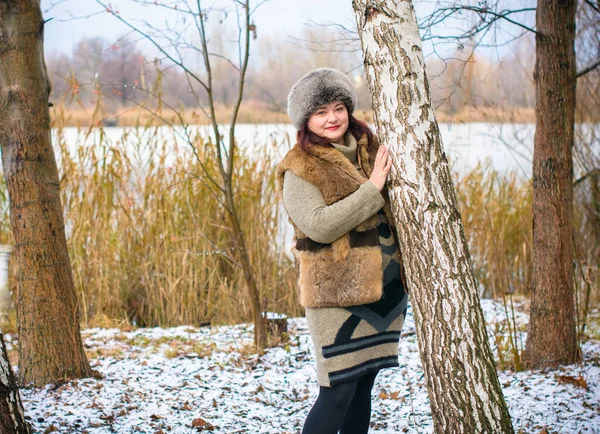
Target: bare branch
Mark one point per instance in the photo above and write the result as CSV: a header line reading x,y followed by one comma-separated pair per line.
x,y
592,5
588,68
153,42
81,17
186,136
487,17
305,44
53,5
225,58
343,35
199,20
590,173
259,4
165,6
238,103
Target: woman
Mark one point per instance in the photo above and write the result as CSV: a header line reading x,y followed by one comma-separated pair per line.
x,y
349,271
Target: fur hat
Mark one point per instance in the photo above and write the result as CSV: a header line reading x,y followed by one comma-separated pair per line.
x,y
318,87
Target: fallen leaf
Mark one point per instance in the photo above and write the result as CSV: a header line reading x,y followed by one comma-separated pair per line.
x,y
202,425
576,381
110,418
186,407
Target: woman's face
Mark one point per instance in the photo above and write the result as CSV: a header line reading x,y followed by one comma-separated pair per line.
x,y
330,121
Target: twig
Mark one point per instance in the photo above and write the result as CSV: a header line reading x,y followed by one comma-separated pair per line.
x,y
588,68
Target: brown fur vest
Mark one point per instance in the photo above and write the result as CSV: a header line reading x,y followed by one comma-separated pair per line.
x,y
347,272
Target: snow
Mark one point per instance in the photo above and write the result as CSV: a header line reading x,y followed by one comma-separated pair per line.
x,y
159,380
273,315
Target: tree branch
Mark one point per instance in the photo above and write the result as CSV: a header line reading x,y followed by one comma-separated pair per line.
x,y
153,42
199,21
586,176
442,14
588,68
244,57
592,5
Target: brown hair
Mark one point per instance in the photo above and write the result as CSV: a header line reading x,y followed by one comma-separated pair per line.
x,y
356,127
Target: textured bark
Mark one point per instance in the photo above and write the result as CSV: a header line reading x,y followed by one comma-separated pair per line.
x,y
50,345
552,337
12,416
260,326
462,382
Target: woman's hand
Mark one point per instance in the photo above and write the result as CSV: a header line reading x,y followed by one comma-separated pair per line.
x,y
381,168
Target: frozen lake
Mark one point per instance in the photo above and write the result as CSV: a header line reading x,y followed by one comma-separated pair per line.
x,y
505,147
508,147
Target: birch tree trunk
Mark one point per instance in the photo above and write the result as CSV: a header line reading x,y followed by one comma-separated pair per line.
x,y
462,382
50,346
552,337
12,416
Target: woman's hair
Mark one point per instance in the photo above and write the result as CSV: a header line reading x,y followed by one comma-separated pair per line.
x,y
356,127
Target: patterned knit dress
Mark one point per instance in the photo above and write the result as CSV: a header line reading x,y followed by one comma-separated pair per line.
x,y
353,341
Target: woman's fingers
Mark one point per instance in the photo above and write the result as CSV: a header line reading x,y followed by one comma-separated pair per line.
x,y
386,161
381,168
381,152
388,164
382,156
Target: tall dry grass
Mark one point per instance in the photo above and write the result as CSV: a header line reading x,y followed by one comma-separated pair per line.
x,y
149,241
496,213
148,238
587,218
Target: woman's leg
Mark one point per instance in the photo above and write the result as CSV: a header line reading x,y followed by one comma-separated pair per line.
x,y
330,408
358,416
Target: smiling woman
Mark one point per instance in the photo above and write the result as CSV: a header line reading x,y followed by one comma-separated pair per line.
x,y
330,121
349,270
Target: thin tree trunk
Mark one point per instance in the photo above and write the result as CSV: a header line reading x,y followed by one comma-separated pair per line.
x,y
552,337
12,416
50,345
260,325
462,382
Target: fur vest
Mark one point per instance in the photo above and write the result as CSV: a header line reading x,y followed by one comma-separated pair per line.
x,y
348,271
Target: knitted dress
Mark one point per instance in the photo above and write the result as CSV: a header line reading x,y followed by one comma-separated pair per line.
x,y
352,341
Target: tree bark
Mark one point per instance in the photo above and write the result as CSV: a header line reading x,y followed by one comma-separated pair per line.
x,y
260,328
50,346
552,337
12,415
462,382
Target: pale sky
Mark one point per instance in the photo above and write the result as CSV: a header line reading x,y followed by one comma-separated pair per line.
x,y
72,20
278,18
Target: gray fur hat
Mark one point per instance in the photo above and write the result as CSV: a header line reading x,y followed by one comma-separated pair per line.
x,y
320,86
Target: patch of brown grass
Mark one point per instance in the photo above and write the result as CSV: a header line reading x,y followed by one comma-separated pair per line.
x,y
251,113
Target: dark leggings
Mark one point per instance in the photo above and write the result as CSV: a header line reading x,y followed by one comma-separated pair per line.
x,y
345,408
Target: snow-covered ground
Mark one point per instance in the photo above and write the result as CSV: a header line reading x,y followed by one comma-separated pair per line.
x,y
189,380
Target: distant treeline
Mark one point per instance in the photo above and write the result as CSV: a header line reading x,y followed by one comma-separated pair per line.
x,y
125,75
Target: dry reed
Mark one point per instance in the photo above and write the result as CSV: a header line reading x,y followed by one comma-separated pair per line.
x,y
149,241
496,213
